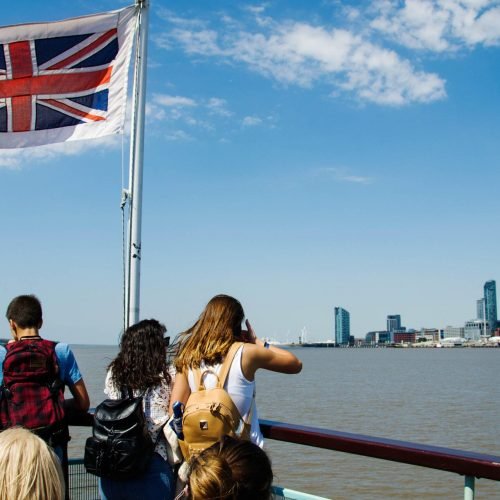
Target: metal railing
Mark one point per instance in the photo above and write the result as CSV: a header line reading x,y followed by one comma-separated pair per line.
x,y
469,464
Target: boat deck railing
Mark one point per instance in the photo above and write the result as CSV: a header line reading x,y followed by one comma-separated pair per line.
x,y
471,465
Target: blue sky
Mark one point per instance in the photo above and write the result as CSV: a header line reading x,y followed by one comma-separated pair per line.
x,y
299,156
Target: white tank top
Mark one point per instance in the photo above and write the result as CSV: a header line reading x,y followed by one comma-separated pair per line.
x,y
238,387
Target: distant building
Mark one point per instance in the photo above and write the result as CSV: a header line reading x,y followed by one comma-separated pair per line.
x,y
474,329
393,322
480,309
490,300
454,332
378,337
342,326
431,334
404,337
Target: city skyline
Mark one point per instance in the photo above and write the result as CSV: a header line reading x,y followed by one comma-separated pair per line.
x,y
475,328
298,155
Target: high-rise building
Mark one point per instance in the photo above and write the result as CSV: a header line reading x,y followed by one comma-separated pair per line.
x,y
480,309
490,301
342,326
393,322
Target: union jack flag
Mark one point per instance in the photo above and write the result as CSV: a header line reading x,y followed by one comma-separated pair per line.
x,y
68,85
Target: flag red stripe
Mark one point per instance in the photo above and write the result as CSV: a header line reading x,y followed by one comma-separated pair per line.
x,y
20,59
62,83
72,110
85,50
21,113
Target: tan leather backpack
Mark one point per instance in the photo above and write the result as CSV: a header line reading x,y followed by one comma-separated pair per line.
x,y
209,414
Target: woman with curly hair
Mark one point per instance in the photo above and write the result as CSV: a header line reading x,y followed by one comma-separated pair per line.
x,y
141,366
206,344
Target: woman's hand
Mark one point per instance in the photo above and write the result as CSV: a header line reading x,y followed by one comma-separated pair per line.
x,y
248,335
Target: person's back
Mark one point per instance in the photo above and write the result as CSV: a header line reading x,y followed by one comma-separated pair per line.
x,y
240,389
141,367
207,343
29,469
35,371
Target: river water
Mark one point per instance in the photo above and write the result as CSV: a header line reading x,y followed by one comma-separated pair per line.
x,y
443,397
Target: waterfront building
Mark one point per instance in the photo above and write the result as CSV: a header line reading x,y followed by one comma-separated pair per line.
x,y
454,332
342,326
404,337
378,337
480,309
393,322
475,329
490,300
431,334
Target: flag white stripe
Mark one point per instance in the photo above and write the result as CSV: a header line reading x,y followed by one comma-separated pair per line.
x,y
72,70
66,112
9,114
81,107
8,66
34,64
33,112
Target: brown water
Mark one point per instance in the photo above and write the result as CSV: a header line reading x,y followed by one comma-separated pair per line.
x,y
444,397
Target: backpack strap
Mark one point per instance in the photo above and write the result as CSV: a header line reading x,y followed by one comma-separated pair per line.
x,y
226,365
224,370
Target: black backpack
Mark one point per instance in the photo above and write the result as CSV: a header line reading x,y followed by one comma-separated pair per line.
x,y
120,446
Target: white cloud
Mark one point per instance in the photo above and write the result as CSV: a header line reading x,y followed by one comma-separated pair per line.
x,y
439,25
155,112
18,158
173,101
341,174
218,106
297,53
251,121
178,135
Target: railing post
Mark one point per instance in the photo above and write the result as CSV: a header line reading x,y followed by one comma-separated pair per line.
x,y
469,488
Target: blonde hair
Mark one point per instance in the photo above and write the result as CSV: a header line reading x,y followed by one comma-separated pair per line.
x,y
210,338
29,469
231,469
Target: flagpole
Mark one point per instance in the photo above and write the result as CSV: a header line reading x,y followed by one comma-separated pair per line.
x,y
133,281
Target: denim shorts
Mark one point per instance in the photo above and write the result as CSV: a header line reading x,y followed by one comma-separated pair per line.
x,y
157,483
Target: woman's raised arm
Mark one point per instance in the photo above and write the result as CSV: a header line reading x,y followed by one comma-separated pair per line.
x,y
273,358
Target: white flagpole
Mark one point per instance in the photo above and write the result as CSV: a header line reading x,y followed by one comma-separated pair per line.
x,y
133,281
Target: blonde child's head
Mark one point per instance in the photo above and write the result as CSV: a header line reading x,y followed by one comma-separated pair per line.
x,y
29,469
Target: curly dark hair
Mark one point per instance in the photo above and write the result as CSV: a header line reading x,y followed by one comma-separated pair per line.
x,y
142,360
